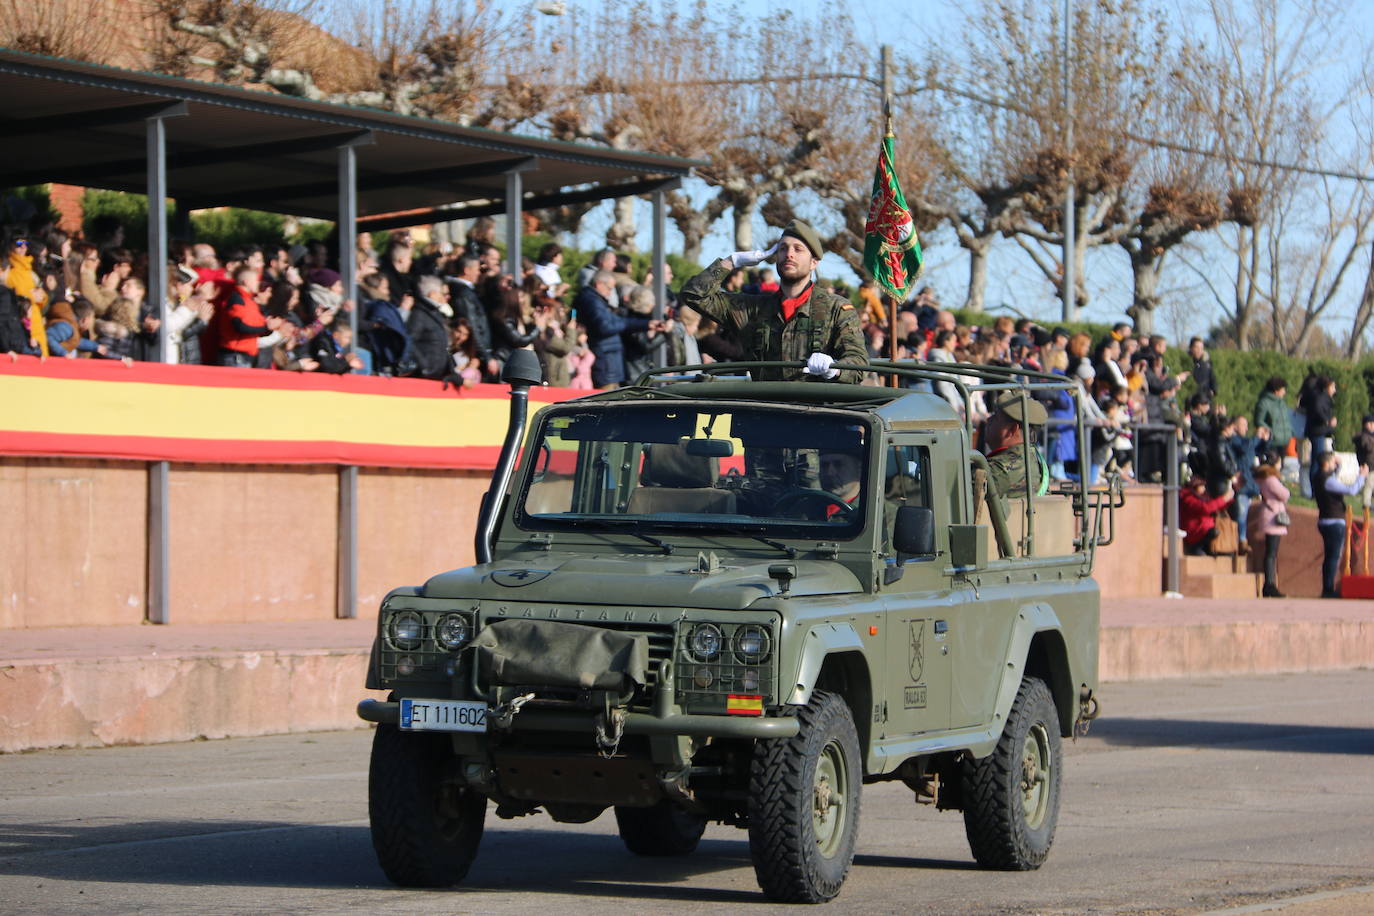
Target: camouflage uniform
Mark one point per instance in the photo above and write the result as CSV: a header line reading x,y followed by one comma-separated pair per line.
x,y
1007,465
1007,470
826,324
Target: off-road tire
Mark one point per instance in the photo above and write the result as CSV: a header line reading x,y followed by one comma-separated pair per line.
x,y
799,855
665,829
1011,797
425,825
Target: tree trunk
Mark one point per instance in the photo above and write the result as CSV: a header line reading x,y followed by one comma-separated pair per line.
x,y
977,275
1355,346
621,234
743,212
1145,292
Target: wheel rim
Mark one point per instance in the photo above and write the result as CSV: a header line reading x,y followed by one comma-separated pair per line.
x,y
829,800
1037,768
450,814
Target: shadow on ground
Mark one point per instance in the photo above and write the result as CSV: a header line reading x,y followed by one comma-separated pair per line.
x,y
1252,736
273,854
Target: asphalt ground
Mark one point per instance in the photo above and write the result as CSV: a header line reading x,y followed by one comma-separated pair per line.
x,y
1232,795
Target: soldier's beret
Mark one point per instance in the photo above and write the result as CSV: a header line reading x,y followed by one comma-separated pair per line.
x,y
808,236
1010,403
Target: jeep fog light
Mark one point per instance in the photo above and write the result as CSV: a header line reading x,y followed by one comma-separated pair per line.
x,y
452,632
704,642
406,630
405,666
751,644
749,681
703,678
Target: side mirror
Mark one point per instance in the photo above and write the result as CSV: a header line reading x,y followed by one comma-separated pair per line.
x,y
913,534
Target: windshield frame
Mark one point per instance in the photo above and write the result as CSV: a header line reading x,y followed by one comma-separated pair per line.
x,y
745,526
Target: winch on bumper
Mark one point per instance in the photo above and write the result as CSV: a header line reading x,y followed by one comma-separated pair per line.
x,y
554,676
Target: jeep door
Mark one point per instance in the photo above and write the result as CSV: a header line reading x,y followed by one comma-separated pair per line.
x,y
917,688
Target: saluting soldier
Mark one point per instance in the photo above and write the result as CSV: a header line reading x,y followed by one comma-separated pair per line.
x,y
1004,446
797,322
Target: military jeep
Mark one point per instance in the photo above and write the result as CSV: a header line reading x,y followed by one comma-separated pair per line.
x,y
704,598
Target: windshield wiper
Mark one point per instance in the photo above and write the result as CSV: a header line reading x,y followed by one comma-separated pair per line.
x,y
617,525
776,545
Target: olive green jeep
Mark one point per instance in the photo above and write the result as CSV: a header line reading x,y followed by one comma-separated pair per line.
x,y
704,598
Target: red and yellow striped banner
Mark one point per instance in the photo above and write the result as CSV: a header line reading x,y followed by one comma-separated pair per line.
x,y
151,412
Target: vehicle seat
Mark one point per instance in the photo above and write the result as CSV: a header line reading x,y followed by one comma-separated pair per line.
x,y
670,480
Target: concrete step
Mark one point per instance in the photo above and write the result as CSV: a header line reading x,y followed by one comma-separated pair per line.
x,y
1222,585
1209,566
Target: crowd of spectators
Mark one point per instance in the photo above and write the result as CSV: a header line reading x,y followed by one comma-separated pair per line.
x,y
424,311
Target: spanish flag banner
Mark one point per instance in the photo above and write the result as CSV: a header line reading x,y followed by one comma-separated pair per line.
x,y
207,414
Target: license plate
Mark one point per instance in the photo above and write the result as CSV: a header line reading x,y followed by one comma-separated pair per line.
x,y
444,715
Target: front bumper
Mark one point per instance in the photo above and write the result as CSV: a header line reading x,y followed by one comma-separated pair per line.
x,y
636,723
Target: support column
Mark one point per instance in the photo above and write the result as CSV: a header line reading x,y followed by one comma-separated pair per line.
x,y
660,290
159,589
515,194
347,576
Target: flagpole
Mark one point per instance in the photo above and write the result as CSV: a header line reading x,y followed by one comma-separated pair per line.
x,y
885,70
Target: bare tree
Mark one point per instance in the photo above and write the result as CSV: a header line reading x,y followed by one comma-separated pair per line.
x,y
89,31
415,57
1264,110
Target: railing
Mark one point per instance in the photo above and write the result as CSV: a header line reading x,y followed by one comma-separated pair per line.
x,y
1169,485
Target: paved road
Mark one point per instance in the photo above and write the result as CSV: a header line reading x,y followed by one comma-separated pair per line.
x,y
1189,797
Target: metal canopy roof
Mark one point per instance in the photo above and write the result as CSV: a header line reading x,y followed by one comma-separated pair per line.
x,y
84,124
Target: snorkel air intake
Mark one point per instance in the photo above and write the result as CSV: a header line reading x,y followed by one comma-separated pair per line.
x,y
521,371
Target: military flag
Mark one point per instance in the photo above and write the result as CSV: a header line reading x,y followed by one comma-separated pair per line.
x,y
892,252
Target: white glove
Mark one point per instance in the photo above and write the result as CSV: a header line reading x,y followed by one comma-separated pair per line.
x,y
819,364
750,258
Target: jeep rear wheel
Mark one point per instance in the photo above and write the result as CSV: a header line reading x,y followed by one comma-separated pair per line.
x,y
665,829
426,825
804,804
1011,797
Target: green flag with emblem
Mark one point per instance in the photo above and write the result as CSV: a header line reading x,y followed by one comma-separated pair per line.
x,y
892,252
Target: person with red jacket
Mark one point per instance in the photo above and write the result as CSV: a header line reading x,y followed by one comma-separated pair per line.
x,y
238,323
1195,513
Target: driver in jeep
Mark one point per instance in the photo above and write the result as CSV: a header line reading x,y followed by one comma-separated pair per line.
x,y
838,496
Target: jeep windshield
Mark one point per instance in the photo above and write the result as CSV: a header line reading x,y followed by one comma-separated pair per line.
x,y
742,470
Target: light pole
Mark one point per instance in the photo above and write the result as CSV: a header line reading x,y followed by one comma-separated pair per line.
x,y
1070,306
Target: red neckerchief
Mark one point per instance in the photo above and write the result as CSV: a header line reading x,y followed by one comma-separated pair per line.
x,y
832,509
790,306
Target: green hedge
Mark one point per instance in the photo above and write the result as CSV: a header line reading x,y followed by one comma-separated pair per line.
x,y
1241,378
225,228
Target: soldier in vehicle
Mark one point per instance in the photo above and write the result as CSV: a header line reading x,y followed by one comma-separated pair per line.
x,y
835,498
800,321
840,473
1004,446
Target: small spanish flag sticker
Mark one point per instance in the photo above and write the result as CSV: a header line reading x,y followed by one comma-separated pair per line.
x,y
736,705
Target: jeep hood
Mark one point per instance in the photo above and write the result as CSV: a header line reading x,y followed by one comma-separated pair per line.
x,y
620,580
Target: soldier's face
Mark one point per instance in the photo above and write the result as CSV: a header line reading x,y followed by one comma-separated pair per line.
x,y
794,259
840,473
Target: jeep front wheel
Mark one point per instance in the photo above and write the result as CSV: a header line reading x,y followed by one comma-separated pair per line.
x,y
426,825
804,804
1011,797
665,829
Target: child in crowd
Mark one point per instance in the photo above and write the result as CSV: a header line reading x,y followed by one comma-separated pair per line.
x,y
581,359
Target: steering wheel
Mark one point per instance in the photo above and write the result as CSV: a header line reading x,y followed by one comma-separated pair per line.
x,y
794,499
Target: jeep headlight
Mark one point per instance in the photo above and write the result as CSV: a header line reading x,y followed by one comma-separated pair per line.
x,y
751,644
452,632
704,642
405,631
